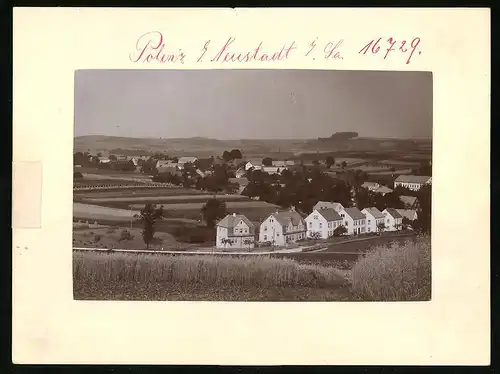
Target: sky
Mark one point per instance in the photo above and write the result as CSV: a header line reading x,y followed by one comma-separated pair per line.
x,y
252,104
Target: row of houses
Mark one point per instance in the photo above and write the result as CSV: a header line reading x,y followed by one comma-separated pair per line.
x,y
287,227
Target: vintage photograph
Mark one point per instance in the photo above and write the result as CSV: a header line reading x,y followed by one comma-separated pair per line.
x,y
252,185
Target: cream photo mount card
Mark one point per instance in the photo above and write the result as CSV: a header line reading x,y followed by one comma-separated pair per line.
x,y
185,179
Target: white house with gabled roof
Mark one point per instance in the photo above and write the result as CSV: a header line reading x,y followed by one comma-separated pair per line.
x,y
323,221
235,231
412,182
353,220
393,220
374,219
328,205
282,228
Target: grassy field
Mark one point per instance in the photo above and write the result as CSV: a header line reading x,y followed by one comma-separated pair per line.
x,y
110,237
170,200
395,273
147,277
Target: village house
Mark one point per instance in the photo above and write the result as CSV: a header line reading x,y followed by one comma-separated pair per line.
x,y
271,169
241,182
283,164
166,163
374,219
328,205
412,182
255,163
104,160
235,231
393,220
410,202
353,220
184,160
376,188
241,172
282,228
409,214
168,169
324,222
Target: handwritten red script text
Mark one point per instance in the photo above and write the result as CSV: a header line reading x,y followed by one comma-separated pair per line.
x,y
151,47
227,53
391,45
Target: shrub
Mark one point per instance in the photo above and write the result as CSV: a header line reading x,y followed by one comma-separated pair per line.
x,y
395,273
97,238
111,230
261,271
126,235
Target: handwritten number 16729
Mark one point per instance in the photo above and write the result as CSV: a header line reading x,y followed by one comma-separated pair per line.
x,y
392,45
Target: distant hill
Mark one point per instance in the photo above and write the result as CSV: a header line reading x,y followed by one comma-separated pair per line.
x,y
283,148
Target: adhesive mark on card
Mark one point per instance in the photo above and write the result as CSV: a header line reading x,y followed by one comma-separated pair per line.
x,y
26,194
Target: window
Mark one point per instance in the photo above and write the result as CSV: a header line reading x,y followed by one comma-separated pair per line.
x,y
320,225
329,225
369,229
265,237
265,228
315,217
368,221
278,234
310,224
342,215
346,223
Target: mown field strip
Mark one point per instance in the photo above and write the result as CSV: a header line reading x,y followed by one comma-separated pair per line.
x,y
164,198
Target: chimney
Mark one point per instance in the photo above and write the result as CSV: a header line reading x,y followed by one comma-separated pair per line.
x,y
234,214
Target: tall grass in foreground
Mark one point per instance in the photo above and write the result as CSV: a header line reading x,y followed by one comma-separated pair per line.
x,y
259,271
401,272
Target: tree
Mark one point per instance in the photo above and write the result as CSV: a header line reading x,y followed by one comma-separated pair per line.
x,y
343,164
112,157
316,235
235,153
381,227
267,161
340,231
226,156
330,161
225,241
148,217
213,210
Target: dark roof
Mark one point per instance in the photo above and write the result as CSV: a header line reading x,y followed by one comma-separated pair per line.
x,y
284,218
410,200
374,212
330,214
394,213
412,179
232,220
354,213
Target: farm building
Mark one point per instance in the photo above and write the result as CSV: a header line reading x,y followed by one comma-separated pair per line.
x,y
184,160
353,220
410,202
235,231
374,219
254,163
412,182
282,228
283,164
324,222
104,160
240,173
328,205
409,214
376,188
393,220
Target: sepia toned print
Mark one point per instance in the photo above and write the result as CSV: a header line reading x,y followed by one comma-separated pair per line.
x,y
252,185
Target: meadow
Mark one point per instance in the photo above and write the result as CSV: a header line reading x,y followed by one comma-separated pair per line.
x,y
398,272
